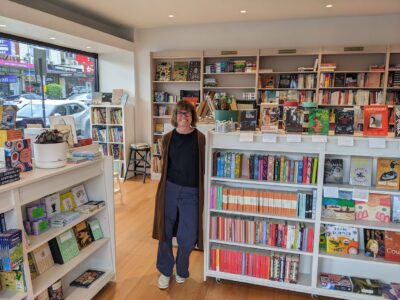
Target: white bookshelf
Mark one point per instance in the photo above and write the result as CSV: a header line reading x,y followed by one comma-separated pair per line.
x,y
126,126
97,178
317,261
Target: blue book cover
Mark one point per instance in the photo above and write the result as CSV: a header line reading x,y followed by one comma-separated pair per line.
x,y
300,171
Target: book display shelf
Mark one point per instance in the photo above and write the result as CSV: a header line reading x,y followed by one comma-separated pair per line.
x,y
268,213
97,179
109,129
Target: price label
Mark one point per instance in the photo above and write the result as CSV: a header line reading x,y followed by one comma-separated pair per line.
x,y
377,143
319,139
269,138
361,195
246,137
293,138
345,141
331,191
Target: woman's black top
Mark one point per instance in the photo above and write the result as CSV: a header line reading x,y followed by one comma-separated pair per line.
x,y
183,159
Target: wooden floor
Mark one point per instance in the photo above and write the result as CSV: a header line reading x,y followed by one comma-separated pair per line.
x,y
136,255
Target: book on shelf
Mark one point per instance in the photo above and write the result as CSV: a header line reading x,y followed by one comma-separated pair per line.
x,y
397,121
163,71
344,121
375,120
116,96
248,120
341,239
82,234
80,196
96,98
32,266
338,209
13,280
360,171
374,242
95,229
67,201
86,279
194,70
11,253
18,154
64,247
336,282
395,209
106,98
374,80
392,246
377,208
52,204
366,286
42,259
55,291
269,117
180,72
390,291
388,173
333,170
293,117
318,121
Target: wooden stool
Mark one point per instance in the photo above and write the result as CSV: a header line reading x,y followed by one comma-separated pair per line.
x,y
138,157
117,186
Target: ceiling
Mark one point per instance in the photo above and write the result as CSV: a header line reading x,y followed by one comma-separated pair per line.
x,y
130,14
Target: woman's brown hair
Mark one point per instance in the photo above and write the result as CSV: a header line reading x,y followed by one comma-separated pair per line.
x,y
187,106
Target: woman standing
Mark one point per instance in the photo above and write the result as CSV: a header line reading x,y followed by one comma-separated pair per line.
x,y
180,195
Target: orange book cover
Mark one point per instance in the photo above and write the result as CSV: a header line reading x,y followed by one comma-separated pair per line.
x,y
392,246
375,120
376,209
387,175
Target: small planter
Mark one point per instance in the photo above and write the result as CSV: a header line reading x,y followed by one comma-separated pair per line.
x,y
50,156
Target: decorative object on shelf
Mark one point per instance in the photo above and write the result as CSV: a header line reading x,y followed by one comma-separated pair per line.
x,y
50,149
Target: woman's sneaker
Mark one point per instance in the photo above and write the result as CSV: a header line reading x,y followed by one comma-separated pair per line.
x,y
179,279
163,282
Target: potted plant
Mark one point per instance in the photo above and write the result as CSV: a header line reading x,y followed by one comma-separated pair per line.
x,y
50,149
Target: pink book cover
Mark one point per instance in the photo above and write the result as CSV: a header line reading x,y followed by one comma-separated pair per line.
x,y
376,209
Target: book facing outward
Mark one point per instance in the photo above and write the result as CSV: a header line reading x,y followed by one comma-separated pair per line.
x,y
392,246
318,121
374,243
338,209
80,196
87,278
341,239
269,117
360,171
67,202
375,120
64,247
377,208
83,235
344,121
333,171
42,258
387,175
95,229
52,203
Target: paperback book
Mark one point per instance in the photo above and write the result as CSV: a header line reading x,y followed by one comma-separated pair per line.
x,y
82,234
397,121
377,208
392,246
333,170
194,71
375,120
18,154
52,203
87,278
338,209
387,174
180,71
374,243
67,202
366,286
293,119
269,117
396,209
318,121
163,72
55,291
64,247
341,239
248,120
360,171
344,121
80,196
336,282
95,229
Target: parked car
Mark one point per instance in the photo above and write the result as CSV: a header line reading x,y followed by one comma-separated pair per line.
x,y
23,99
86,98
77,109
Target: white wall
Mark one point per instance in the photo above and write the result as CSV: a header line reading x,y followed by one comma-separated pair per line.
x,y
356,31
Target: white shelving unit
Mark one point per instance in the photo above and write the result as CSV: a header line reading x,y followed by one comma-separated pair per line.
x,y
97,178
317,261
107,142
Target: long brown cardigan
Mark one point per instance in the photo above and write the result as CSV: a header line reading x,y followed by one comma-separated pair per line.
x,y
158,225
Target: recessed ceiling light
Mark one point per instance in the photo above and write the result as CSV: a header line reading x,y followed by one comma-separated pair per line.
x,y
3,25
171,16
52,38
88,47
243,11
328,5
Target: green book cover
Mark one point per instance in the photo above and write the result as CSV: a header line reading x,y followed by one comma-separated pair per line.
x,y
95,229
68,245
318,121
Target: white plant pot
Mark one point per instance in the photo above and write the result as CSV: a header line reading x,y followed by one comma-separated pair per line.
x,y
50,156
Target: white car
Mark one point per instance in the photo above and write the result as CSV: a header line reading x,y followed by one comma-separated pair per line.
x,y
77,109
86,98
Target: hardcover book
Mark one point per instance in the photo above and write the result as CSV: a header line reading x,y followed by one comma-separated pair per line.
x,y
338,209
52,203
248,120
163,72
180,71
377,208
397,121
318,121
67,202
392,246
366,286
42,258
194,71
344,121
333,170
82,234
293,119
18,154
55,291
95,229
269,117
396,209
79,193
106,98
64,247
336,282
87,278
375,120
341,239
360,171
374,243
13,280
387,174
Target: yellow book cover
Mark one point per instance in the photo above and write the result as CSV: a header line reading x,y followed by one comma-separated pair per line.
x,y
67,201
387,174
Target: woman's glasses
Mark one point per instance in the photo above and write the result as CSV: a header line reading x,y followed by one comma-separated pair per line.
x,y
184,113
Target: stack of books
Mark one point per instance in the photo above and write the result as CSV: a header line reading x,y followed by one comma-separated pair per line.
x,y
62,219
11,249
89,154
